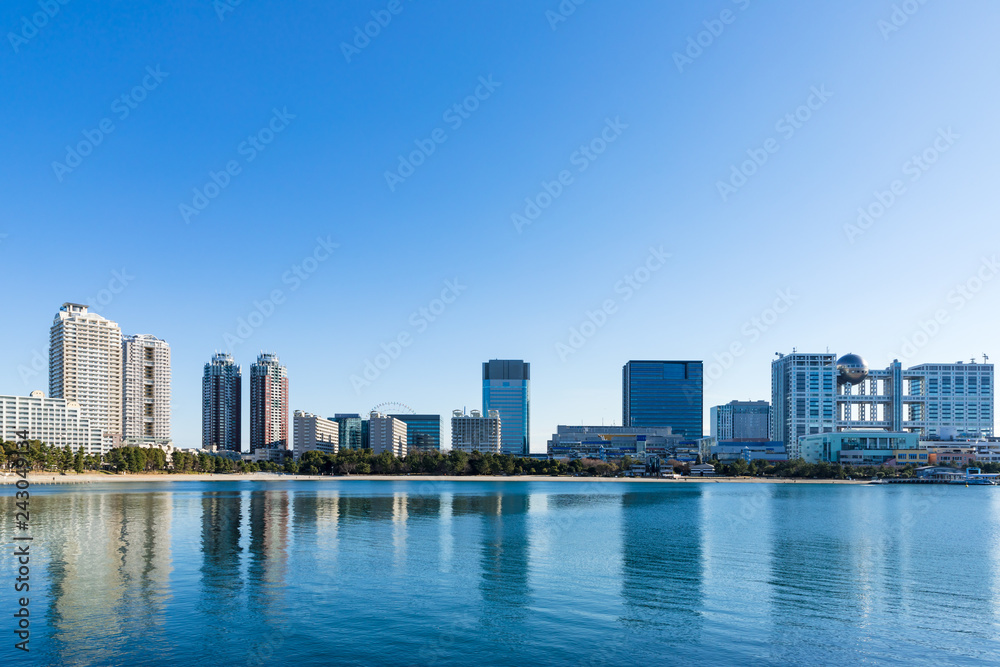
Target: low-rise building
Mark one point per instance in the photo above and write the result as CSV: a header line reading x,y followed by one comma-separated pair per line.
x,y
826,447
616,442
729,451
277,455
56,422
476,433
314,433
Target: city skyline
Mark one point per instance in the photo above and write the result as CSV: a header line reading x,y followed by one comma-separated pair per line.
x,y
671,381
670,234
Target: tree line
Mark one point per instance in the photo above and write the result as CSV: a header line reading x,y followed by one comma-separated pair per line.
x,y
46,458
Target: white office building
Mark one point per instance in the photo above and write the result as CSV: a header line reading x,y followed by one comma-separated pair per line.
x,y
145,390
85,366
54,421
476,433
314,433
386,434
741,420
817,393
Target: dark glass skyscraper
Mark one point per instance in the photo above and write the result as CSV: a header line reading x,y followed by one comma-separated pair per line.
x,y
507,389
220,404
423,432
663,393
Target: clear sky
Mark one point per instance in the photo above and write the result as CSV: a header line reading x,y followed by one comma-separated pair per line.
x,y
621,124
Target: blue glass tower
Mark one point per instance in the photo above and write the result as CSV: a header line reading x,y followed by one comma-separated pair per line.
x,y
507,389
423,432
663,393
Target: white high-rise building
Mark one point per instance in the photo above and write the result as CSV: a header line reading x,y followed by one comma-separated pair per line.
x,y
85,365
803,397
819,393
54,421
145,390
475,433
386,434
313,433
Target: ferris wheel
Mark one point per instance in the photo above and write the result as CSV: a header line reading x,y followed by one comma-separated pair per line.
x,y
394,408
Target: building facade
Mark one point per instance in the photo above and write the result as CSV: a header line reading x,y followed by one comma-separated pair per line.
x,y
313,433
145,390
817,393
268,403
54,421
85,366
507,389
221,404
349,427
477,433
803,401
616,442
875,447
386,434
657,394
423,432
747,421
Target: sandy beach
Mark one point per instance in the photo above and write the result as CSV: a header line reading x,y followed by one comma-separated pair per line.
x,y
98,478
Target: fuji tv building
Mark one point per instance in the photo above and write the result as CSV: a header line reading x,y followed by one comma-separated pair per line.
x,y
818,393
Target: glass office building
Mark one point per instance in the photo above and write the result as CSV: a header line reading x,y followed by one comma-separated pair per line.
x,y
507,389
423,432
664,393
350,435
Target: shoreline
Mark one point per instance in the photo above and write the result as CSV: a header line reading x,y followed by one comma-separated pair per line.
x,y
146,478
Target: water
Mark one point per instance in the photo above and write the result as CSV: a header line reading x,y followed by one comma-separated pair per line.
x,y
458,573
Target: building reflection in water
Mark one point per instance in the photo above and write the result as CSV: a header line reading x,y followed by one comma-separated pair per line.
x,y
504,562
109,570
662,561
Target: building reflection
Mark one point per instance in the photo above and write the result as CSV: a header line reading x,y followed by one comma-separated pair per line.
x,y
662,561
503,562
109,569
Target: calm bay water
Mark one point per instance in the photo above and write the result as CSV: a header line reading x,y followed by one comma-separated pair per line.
x,y
455,573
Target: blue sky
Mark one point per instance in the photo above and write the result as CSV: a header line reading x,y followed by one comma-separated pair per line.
x,y
203,81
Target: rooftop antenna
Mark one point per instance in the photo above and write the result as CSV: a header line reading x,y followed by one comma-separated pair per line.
x,y
985,358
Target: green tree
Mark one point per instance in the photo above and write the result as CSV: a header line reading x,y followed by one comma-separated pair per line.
x,y
78,460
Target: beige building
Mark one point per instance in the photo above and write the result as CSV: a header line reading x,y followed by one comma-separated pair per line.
x,y
313,433
386,434
475,433
85,366
145,390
